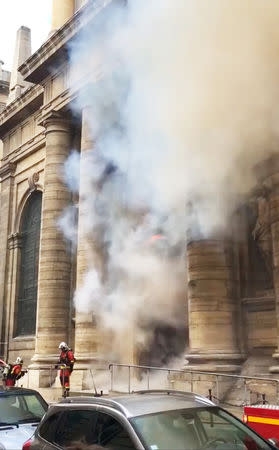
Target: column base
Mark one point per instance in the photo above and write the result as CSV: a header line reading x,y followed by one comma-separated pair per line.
x,y
214,362
275,368
41,371
90,362
90,373
44,360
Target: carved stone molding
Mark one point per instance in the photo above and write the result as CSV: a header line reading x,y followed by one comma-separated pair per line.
x,y
14,241
33,181
7,170
263,190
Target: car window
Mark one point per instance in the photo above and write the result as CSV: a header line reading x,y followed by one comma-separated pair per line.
x,y
48,427
76,425
21,408
33,405
111,434
196,429
221,428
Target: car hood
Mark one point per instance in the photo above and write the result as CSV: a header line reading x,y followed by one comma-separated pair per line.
x,y
13,437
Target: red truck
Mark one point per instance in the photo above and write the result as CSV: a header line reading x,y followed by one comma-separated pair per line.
x,y
264,419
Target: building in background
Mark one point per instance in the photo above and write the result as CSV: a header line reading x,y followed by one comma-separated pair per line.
x,y
233,283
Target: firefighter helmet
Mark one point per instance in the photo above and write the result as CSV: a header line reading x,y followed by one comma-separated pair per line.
x,y
63,346
19,360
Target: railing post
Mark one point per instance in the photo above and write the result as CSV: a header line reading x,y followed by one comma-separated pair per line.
x,y
170,386
245,392
111,378
217,387
129,382
192,383
148,386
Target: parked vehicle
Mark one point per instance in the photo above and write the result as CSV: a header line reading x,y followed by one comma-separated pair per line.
x,y
20,412
150,420
264,419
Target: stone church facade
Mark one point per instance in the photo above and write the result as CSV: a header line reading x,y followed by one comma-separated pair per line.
x,y
233,283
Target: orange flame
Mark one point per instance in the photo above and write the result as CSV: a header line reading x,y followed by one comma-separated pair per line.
x,y
157,237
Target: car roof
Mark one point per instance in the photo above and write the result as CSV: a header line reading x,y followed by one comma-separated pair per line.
x,y
143,402
16,391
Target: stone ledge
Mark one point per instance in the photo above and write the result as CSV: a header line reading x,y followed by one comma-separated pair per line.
x,y
264,303
19,103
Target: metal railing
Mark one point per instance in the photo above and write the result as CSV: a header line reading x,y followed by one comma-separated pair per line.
x,y
221,387
54,368
50,373
218,380
133,366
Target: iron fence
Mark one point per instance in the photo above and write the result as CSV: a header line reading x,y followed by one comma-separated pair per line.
x,y
227,389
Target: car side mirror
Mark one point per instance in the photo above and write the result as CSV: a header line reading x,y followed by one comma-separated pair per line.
x,y
274,441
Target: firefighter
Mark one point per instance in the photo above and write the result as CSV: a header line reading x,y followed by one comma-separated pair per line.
x,y
66,360
13,372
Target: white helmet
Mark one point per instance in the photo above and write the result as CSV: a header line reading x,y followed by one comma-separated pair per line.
x,y
63,345
19,360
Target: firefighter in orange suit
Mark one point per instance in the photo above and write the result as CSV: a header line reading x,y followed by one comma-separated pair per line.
x,y
13,372
66,360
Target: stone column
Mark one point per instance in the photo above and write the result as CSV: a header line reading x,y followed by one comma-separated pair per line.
x,y
79,4
7,172
273,183
62,10
14,246
87,339
55,260
212,307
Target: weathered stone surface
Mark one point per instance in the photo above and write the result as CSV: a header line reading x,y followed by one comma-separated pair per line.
x,y
54,274
212,307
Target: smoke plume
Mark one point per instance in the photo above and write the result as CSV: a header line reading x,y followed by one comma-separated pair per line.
x,y
184,99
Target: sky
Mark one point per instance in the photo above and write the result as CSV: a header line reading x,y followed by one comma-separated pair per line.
x,y
35,14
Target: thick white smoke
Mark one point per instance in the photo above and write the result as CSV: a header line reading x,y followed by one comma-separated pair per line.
x,y
184,99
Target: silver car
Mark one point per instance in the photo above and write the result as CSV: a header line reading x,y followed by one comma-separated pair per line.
x,y
20,412
152,420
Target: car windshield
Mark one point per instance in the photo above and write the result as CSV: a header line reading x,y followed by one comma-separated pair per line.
x,y
208,428
16,409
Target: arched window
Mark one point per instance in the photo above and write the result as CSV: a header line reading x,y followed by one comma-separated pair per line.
x,y
28,275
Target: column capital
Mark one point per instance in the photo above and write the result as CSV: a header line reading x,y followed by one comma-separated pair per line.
x,y
56,121
7,170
